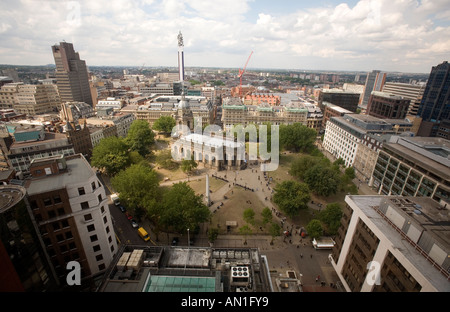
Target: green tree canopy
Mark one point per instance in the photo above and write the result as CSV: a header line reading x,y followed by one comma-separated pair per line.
x,y
331,217
314,228
111,155
182,209
249,216
187,165
212,234
300,165
138,187
164,124
275,230
297,137
322,180
165,160
266,215
140,137
291,196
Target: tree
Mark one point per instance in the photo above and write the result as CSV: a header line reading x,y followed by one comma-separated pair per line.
x,y
322,180
138,187
111,155
245,230
275,230
291,196
164,124
188,165
297,137
331,217
140,137
314,228
213,234
182,209
266,215
165,160
249,216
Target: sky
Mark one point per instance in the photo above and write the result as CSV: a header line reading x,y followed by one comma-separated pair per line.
x,y
391,35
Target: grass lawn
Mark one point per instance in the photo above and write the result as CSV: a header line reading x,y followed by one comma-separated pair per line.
x,y
233,210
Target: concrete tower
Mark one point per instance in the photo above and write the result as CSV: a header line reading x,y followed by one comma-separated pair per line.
x,y
180,57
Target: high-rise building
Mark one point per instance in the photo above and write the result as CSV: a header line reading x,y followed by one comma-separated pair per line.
x,y
393,244
374,82
435,105
71,210
24,264
71,74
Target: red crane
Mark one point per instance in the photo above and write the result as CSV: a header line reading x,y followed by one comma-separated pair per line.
x,y
241,73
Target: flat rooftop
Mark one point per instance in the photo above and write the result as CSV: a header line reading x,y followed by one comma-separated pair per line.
x,y
78,171
369,204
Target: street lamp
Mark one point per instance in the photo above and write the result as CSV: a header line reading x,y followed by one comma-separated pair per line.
x,y
188,238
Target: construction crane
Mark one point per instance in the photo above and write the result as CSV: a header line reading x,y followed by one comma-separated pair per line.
x,y
241,73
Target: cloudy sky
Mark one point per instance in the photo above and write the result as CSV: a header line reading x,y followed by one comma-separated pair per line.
x,y
390,35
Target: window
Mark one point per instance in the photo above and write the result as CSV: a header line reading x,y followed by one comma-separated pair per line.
x,y
88,217
91,228
57,199
99,198
81,191
96,248
94,238
84,205
47,201
99,257
93,186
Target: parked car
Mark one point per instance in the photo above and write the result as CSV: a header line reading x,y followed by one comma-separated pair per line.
x,y
134,224
122,208
129,217
175,241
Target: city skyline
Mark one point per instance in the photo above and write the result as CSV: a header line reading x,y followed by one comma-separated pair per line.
x,y
407,36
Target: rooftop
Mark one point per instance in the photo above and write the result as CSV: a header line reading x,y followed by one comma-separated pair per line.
x,y
78,171
421,237
186,269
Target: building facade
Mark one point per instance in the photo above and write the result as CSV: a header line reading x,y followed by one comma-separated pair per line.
x,y
346,99
386,105
24,264
71,74
413,92
435,105
374,82
392,244
71,210
416,166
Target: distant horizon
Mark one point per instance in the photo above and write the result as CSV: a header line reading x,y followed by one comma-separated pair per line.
x,y
233,68
355,35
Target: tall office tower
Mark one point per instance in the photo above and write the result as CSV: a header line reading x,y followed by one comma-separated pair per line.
x,y
24,264
180,56
71,210
413,92
71,74
374,82
393,244
435,105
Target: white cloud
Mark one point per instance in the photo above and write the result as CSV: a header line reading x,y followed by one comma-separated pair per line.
x,y
389,35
